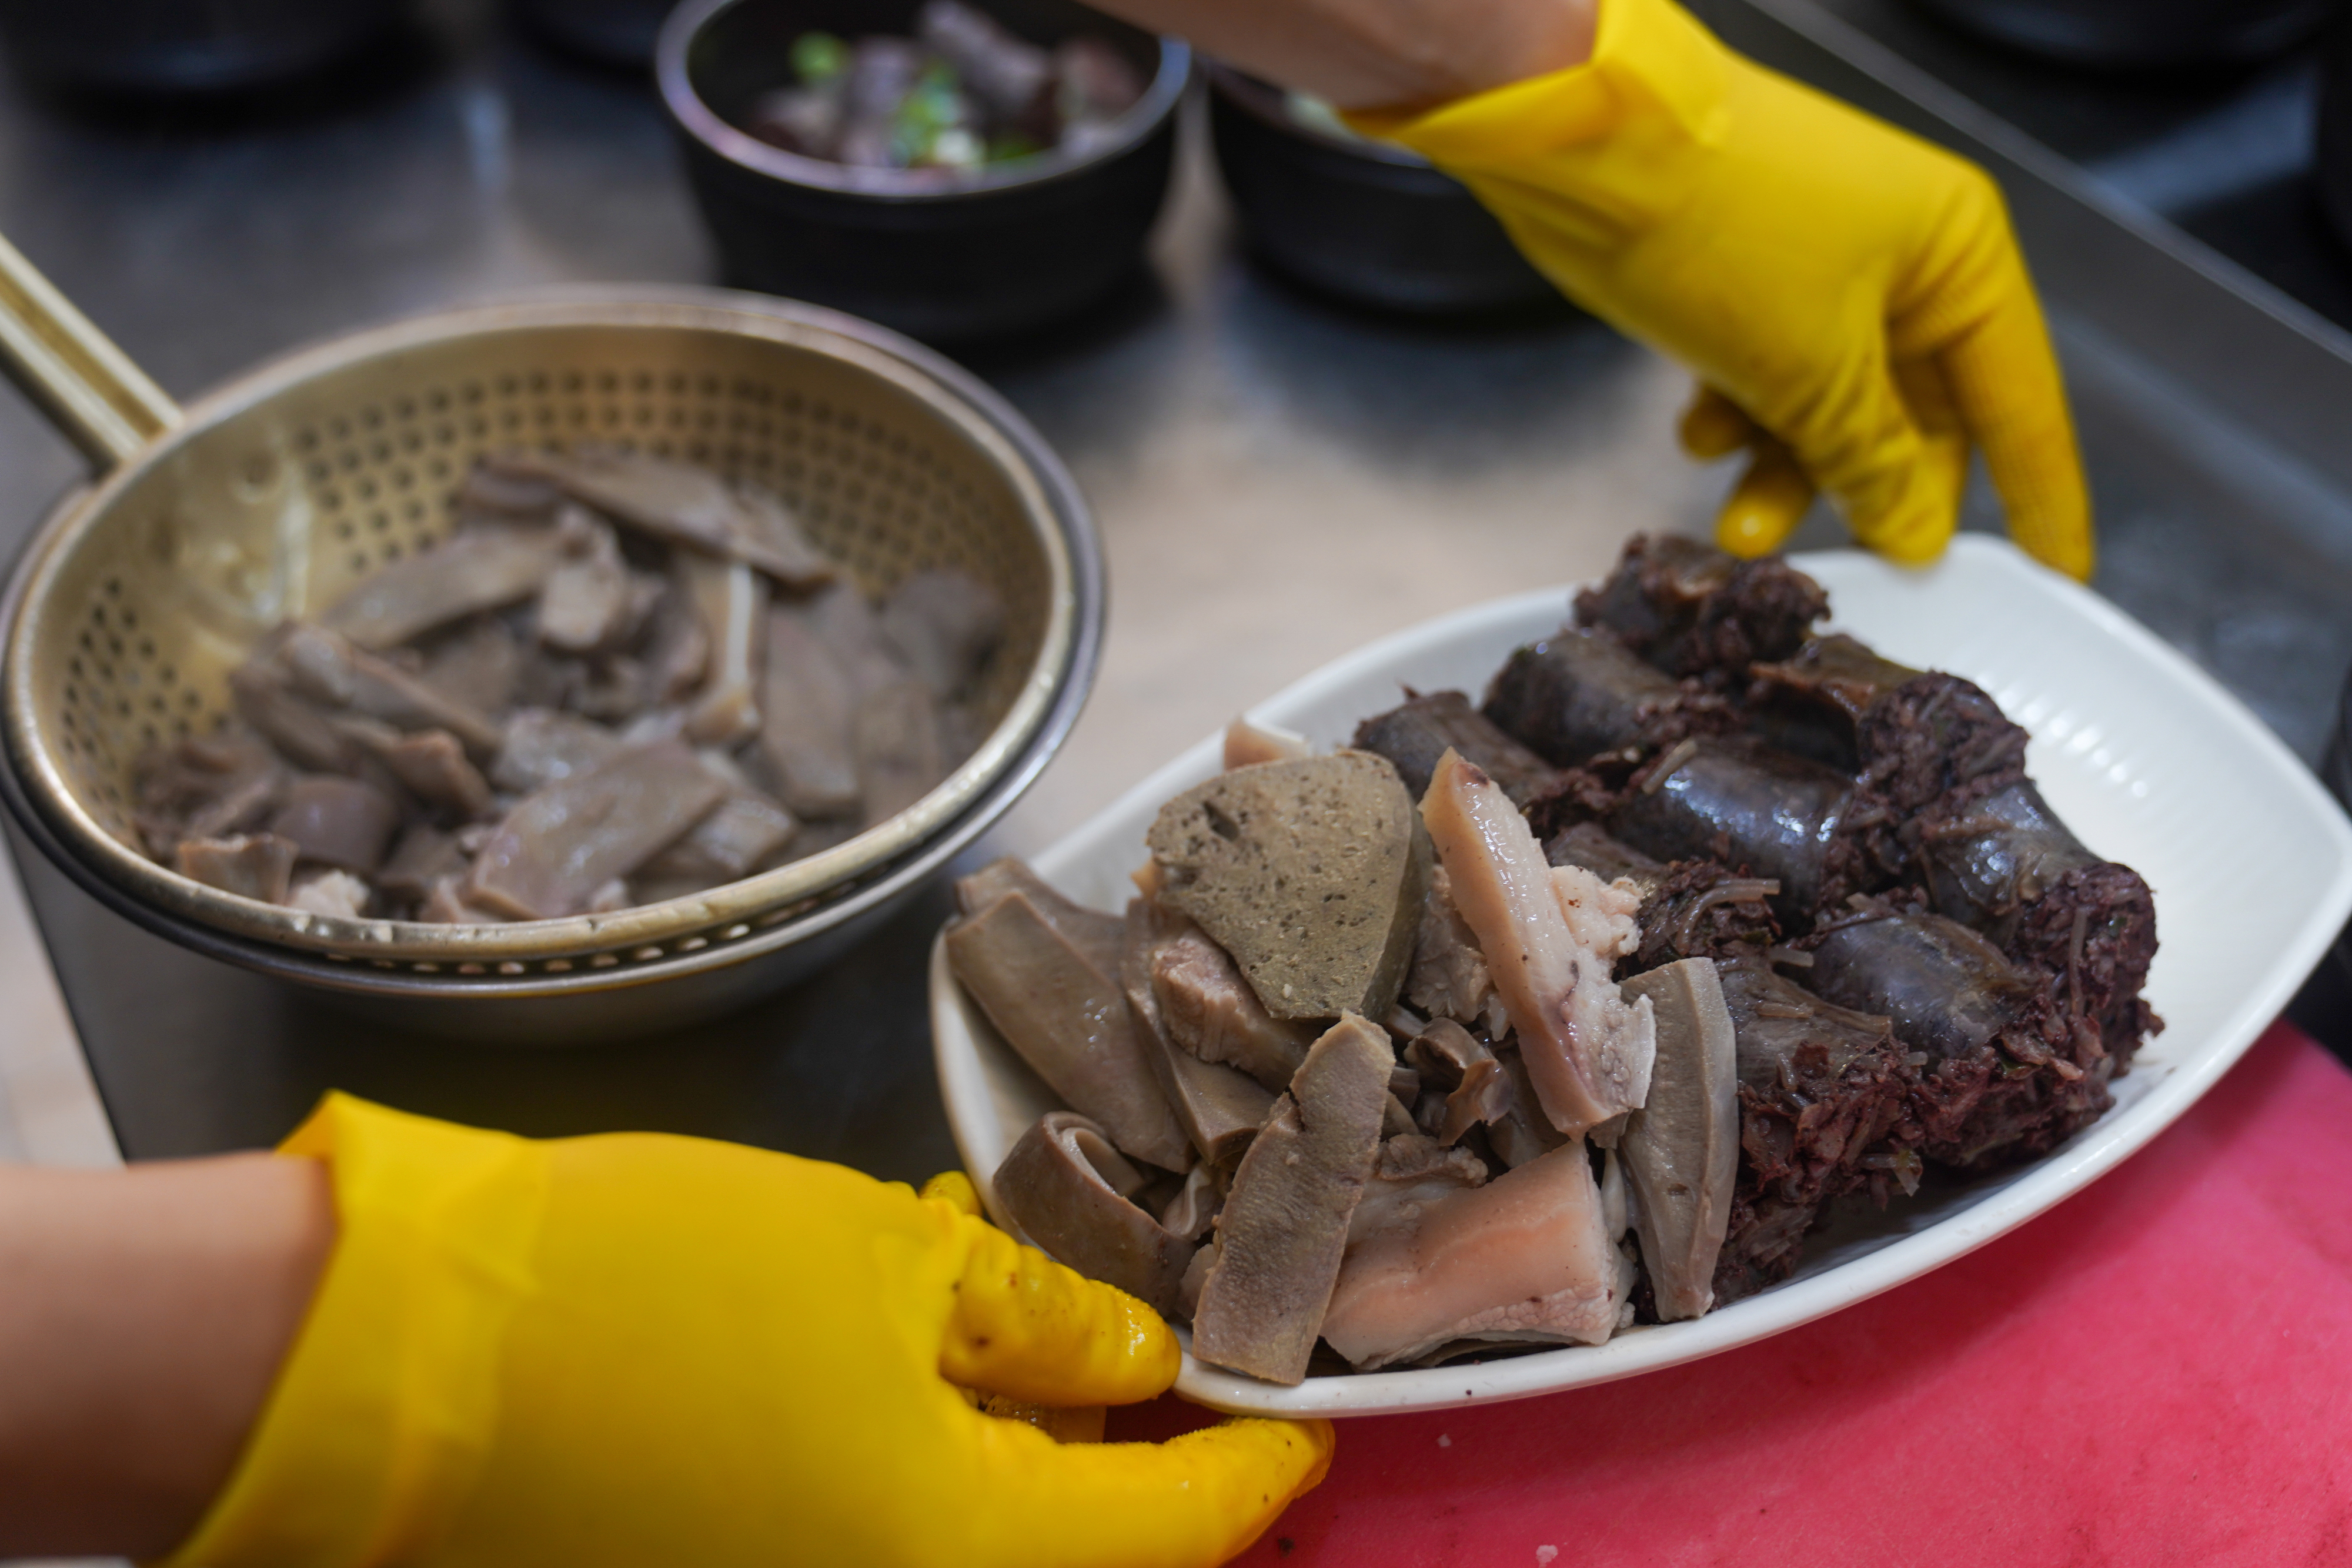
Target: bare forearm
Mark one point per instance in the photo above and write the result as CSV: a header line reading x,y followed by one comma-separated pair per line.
x,y
1366,54
144,1315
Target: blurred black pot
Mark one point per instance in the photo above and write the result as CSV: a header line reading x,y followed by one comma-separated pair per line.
x,y
1011,249
185,46
2141,35
610,32
1371,224
2334,159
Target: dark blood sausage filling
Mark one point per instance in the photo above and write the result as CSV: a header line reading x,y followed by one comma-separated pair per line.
x,y
1690,909
1992,855
2004,1074
1760,810
1812,702
1692,610
1821,1089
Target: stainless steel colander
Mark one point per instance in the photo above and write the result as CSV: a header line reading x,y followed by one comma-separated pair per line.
x,y
268,498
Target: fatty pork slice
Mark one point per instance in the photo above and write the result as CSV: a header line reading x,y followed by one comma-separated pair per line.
x,y
1525,1257
558,846
1550,938
1072,1193
1285,1226
1681,1150
1220,1107
1068,1019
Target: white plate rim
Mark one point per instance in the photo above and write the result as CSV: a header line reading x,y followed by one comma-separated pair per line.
x,y
2040,1187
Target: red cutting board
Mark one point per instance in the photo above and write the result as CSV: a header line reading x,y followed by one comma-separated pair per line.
x,y
2157,1371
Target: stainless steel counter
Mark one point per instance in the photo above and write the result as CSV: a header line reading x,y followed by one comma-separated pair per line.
x,y
1276,480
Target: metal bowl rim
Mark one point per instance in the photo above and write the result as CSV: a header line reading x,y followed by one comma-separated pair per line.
x,y
1073,618
695,118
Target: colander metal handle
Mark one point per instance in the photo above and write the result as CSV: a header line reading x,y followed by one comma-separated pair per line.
x,y
89,388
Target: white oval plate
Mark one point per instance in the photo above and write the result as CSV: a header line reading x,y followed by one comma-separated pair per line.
x,y
2145,757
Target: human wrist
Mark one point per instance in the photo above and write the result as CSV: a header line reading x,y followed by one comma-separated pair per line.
x,y
147,1314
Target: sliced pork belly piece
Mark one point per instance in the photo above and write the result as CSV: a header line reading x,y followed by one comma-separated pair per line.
x,y
476,568
1285,1226
1416,732
1220,1107
558,846
1209,1010
1680,1152
1069,1020
1551,938
1524,1256
1064,1185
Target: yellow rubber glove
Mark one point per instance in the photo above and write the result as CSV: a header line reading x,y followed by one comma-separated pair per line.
x,y
1851,298
640,1349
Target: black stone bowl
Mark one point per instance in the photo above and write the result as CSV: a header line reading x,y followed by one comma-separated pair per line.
x,y
1371,224
2141,35
991,254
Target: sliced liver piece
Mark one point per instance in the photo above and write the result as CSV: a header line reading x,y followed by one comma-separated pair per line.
x,y
943,623
433,764
1285,1226
1525,1257
1072,1192
899,758
476,568
1069,1022
809,705
1680,1151
562,844
539,746
339,822
251,866
677,504
1100,936
743,831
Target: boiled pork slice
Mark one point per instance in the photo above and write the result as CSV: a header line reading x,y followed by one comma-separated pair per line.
x,y
1550,938
558,846
1524,1256
1220,1107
